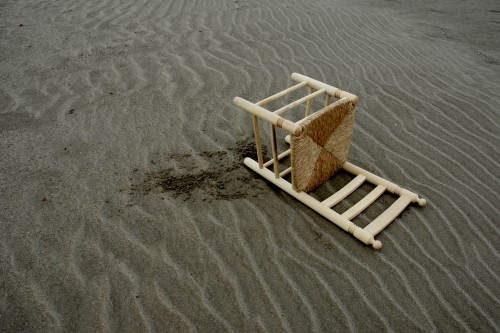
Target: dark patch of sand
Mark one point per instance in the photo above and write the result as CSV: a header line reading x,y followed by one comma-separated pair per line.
x,y
224,176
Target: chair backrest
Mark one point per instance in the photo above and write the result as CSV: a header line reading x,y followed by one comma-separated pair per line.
x,y
323,146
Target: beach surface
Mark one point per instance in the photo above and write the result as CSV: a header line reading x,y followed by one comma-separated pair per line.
x,y
125,205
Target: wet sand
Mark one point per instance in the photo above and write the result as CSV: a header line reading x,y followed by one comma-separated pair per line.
x,y
125,205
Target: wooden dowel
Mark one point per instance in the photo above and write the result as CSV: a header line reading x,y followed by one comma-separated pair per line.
x,y
391,187
329,107
327,100
364,203
280,156
276,161
258,145
344,191
298,102
309,101
384,219
267,115
286,172
374,179
281,94
330,90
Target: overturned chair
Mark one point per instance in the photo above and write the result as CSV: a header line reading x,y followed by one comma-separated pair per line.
x,y
319,147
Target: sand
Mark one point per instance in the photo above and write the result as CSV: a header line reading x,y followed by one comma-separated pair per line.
x,y
125,206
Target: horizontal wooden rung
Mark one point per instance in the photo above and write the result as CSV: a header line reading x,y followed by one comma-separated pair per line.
x,y
281,94
364,203
280,156
267,115
299,101
330,90
329,107
388,215
344,191
286,172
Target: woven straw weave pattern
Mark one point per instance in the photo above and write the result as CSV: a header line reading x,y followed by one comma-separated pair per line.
x,y
322,147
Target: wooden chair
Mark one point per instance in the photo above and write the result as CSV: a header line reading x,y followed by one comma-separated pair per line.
x,y
319,147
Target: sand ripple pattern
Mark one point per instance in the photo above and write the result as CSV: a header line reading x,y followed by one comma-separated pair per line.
x,y
98,96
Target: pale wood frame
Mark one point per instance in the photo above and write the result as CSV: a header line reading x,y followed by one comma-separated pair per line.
x,y
314,89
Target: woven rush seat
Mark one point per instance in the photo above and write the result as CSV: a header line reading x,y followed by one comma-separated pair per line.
x,y
320,144
322,147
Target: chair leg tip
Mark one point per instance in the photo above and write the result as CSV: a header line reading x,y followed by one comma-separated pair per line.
x,y
422,202
377,245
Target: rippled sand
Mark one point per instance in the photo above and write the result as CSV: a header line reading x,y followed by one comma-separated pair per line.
x,y
125,206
